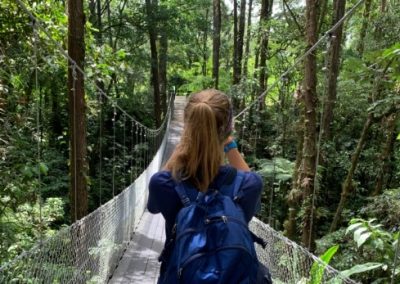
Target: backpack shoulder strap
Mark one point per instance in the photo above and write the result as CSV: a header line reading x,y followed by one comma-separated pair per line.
x,y
181,191
237,193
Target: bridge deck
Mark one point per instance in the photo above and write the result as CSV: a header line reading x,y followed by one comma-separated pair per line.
x,y
139,263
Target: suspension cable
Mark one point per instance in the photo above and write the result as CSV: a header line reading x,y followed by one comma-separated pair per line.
x,y
300,59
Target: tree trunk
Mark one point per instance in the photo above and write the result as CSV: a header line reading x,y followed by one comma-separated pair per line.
x,y
236,78
308,171
163,69
205,48
95,17
248,39
347,186
383,6
150,9
295,196
99,22
265,14
110,38
387,151
322,14
77,106
216,40
364,27
333,70
240,39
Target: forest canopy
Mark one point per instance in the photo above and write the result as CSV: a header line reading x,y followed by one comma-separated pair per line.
x,y
323,131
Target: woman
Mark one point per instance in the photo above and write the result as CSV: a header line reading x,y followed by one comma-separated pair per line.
x,y
198,160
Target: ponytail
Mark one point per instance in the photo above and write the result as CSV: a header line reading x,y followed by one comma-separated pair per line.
x,y
199,154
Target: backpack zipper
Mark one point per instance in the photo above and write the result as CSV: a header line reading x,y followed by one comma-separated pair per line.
x,y
225,219
207,221
198,255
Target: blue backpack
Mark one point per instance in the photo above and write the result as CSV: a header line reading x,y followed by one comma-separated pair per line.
x,y
212,242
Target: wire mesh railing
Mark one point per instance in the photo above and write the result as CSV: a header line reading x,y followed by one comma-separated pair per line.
x,y
89,250
290,263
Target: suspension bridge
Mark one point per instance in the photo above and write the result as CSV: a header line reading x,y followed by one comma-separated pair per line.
x,y
120,241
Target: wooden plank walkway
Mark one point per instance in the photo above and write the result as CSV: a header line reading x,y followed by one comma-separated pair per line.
x,y
140,263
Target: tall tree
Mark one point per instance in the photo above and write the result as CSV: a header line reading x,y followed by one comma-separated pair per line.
x,y
77,106
333,69
235,44
163,60
308,168
216,40
295,195
248,39
238,39
242,20
364,27
151,8
205,44
385,157
265,15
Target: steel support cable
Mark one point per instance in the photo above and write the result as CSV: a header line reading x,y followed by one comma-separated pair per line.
x,y
73,62
301,58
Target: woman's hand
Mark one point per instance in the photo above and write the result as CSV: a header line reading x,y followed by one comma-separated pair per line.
x,y
234,157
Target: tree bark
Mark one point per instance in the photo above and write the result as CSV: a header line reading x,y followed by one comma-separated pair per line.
x,y
383,6
110,38
295,196
150,9
364,27
242,19
163,69
387,151
205,48
248,39
216,40
235,44
333,70
95,17
99,22
238,35
265,14
308,171
77,107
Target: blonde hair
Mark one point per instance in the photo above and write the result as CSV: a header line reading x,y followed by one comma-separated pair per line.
x,y
199,154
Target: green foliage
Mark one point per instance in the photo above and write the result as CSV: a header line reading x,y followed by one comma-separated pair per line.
x,y
277,174
369,253
22,226
386,207
317,269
